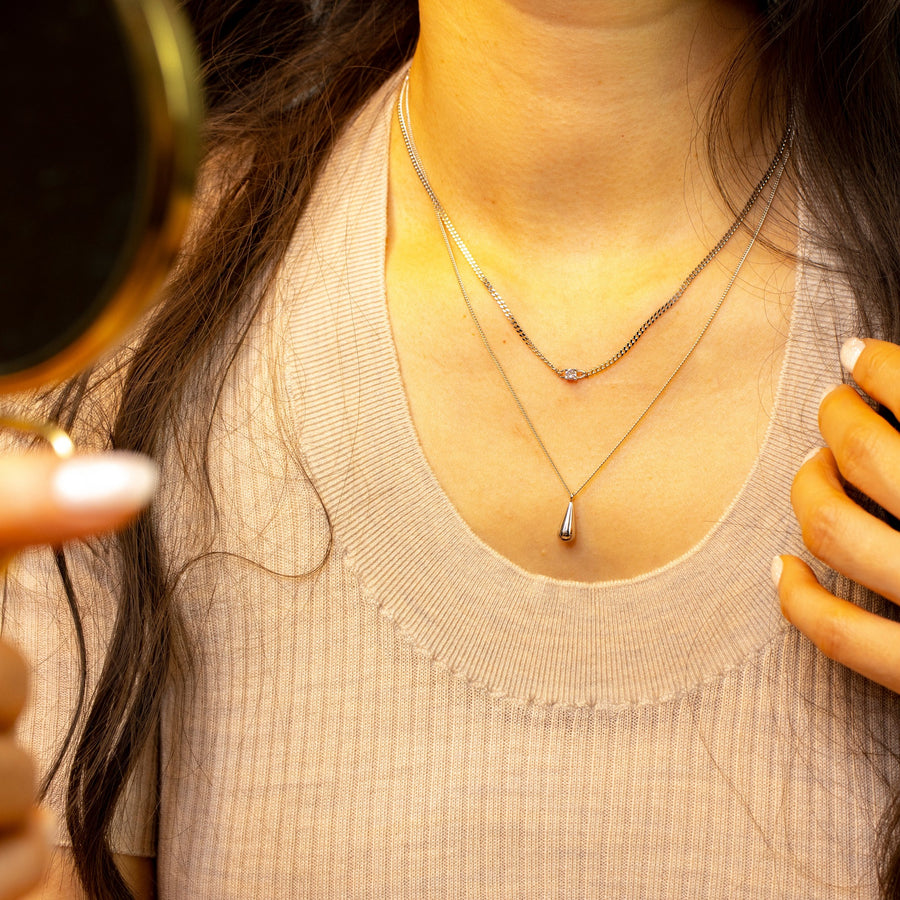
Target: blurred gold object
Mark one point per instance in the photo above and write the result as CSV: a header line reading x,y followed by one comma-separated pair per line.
x,y
97,185
56,437
160,69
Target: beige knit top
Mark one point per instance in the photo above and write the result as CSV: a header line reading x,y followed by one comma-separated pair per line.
x,y
403,713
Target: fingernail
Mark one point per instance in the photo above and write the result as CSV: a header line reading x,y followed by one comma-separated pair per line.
x,y
101,481
777,569
850,353
827,391
809,456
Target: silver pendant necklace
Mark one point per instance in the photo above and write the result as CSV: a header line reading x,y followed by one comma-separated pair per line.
x,y
567,528
570,374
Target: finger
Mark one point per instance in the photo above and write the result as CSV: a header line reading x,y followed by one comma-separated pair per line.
x,y
44,500
844,632
841,533
16,784
23,857
875,367
13,685
866,447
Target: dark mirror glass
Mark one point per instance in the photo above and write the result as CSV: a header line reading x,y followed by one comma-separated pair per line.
x,y
99,146
74,172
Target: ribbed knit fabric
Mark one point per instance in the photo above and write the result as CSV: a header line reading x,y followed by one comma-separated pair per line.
x,y
402,713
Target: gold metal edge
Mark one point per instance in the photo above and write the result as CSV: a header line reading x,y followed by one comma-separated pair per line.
x,y
168,73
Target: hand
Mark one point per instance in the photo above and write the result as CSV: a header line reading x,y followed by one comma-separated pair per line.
x,y
46,500
863,450
23,828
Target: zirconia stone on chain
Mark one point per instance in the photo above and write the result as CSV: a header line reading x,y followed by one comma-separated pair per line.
x,y
569,374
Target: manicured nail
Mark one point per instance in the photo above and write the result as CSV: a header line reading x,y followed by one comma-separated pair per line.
x,y
777,569
850,353
827,391
809,456
106,480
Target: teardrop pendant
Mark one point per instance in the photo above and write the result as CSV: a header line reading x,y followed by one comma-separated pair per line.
x,y
567,529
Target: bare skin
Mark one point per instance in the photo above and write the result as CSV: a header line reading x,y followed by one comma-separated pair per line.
x,y
562,139
34,510
863,450
601,206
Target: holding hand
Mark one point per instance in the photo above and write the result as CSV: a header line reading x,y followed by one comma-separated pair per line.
x,y
23,839
45,500
863,450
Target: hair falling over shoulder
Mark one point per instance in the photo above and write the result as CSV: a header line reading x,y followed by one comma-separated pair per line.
x,y
283,77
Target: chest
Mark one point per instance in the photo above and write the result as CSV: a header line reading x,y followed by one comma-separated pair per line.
x,y
653,467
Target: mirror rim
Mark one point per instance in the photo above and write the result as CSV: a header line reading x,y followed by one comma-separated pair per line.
x,y
161,50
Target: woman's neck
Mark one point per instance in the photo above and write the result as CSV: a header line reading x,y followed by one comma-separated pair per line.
x,y
566,123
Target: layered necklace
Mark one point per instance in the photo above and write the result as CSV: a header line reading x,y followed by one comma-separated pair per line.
x,y
451,237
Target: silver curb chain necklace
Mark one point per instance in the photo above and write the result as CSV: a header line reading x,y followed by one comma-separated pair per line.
x,y
567,528
568,373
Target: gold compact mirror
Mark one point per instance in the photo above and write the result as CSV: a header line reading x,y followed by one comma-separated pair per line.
x,y
99,153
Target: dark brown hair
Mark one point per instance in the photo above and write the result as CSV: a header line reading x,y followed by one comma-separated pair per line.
x,y
283,78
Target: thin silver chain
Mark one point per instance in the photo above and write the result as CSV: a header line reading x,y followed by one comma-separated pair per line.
x,y
568,373
783,154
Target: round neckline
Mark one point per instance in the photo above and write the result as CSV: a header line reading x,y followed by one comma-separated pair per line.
x,y
519,634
